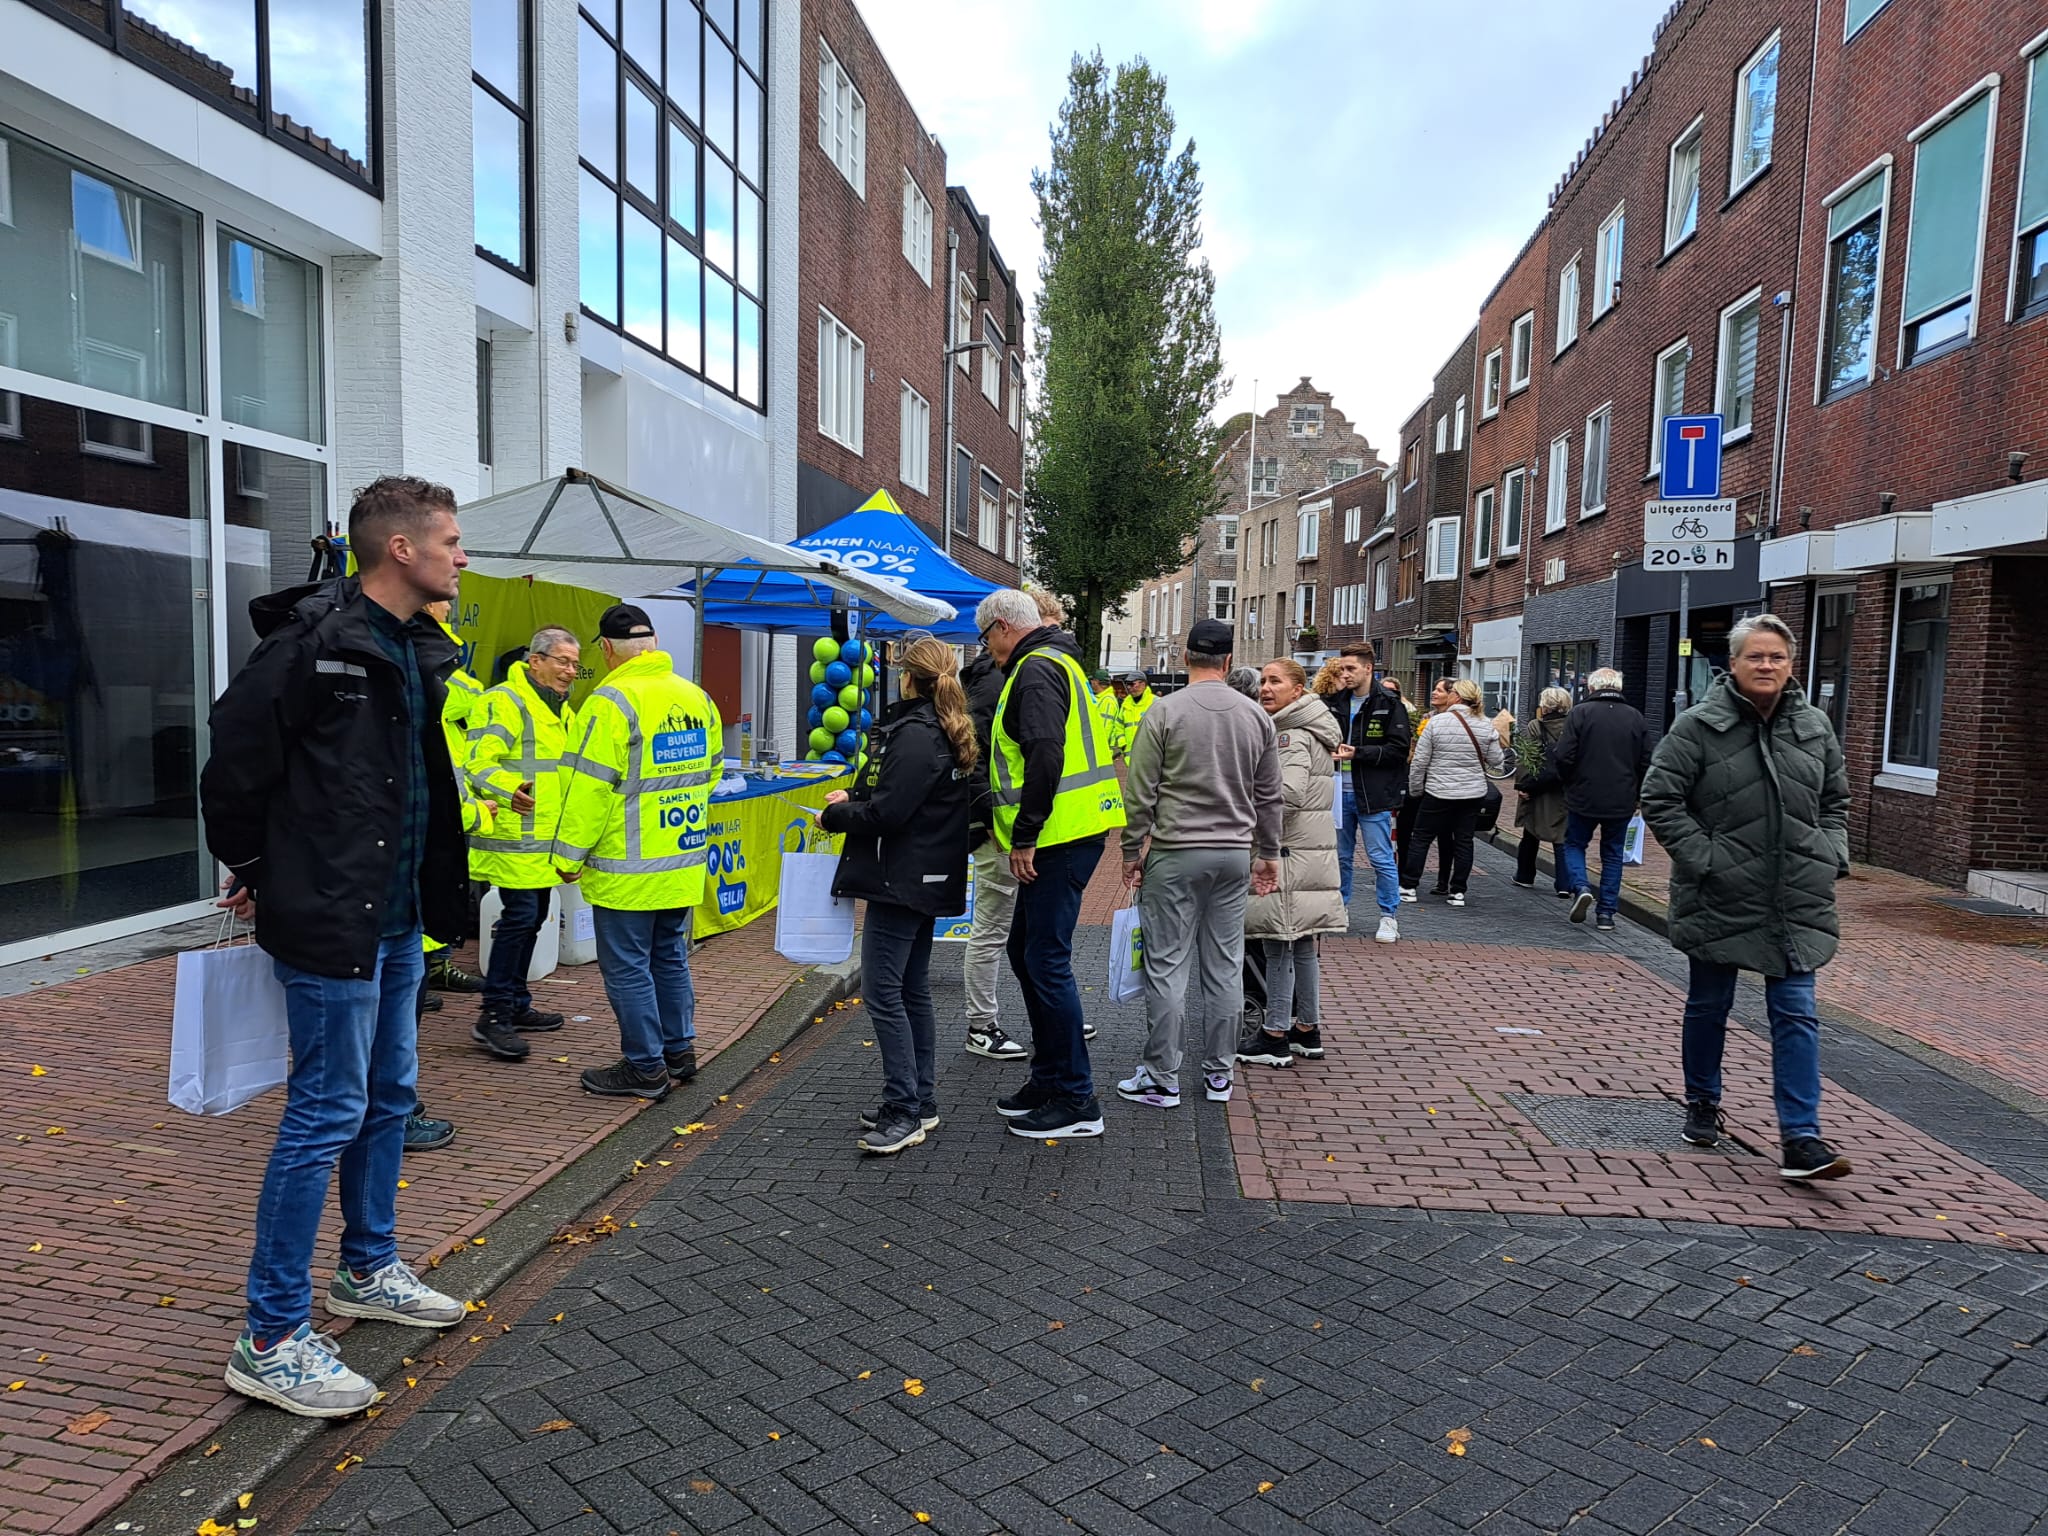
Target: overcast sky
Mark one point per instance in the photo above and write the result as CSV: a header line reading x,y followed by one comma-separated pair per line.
x,y
1370,167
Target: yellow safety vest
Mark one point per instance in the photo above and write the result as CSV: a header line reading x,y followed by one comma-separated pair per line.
x,y
636,792
1089,799
515,739
1129,712
1108,706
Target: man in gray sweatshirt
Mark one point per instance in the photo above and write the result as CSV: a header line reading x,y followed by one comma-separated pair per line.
x,y
1204,786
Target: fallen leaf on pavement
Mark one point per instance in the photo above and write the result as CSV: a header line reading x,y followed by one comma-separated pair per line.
x,y
923,1518
243,1501
38,1071
35,1247
479,1241
699,1485
213,1528
472,1306
1265,1487
1871,1274
1708,1443
86,1423
55,1130
774,1434
1258,1382
913,1386
560,1061
167,1301
864,1375
405,1183
1742,1279
1456,1440
558,1317
1804,1349
1054,1326
552,1426
350,1460
1329,1157
212,1450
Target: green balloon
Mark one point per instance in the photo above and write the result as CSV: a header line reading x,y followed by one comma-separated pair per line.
x,y
825,648
813,755
821,741
867,677
817,672
849,700
835,722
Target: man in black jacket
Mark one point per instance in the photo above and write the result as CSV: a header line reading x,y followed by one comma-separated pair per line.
x,y
1377,736
330,796
1601,755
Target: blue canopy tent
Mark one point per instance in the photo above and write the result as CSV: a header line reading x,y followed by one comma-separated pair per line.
x,y
881,542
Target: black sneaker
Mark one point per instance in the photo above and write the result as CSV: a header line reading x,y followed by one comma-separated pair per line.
x,y
1527,885
623,1080
429,1003
1565,894
1604,922
424,1135
1306,1042
987,1040
1026,1099
682,1065
1582,903
1702,1123
444,975
498,1038
1059,1118
927,1118
1266,1050
534,1022
1811,1158
896,1131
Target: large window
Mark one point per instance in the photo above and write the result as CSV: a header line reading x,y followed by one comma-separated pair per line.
x,y
917,229
1568,304
1304,606
842,120
1380,591
1408,567
1607,261
914,456
842,381
1945,237
1305,421
671,227
1756,115
270,339
1593,474
1682,187
1223,601
1554,484
989,529
501,128
1514,496
1521,350
1266,477
1668,394
2030,289
1308,534
1489,385
1912,735
1854,268
1482,528
1443,554
1735,365
1563,666
308,90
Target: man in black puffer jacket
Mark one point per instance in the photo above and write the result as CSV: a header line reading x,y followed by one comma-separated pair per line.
x,y
1601,756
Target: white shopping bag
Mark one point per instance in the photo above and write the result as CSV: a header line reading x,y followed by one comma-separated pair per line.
x,y
1337,803
1632,841
229,1041
1126,956
812,926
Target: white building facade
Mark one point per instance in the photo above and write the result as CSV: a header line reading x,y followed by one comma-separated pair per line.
x,y
255,253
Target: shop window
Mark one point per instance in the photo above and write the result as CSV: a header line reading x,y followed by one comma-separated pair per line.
x,y
1918,664
1827,681
1564,666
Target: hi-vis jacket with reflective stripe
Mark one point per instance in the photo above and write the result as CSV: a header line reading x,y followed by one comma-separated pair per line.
x,y
515,739
637,788
1130,714
465,693
1089,799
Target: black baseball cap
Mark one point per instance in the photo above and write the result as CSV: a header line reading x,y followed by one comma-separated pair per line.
x,y
625,621
1210,637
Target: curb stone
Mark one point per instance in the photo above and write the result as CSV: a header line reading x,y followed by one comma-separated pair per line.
x,y
187,1486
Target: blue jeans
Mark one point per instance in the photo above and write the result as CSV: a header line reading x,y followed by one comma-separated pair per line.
x,y
1795,1043
512,939
895,965
1578,833
644,958
1042,956
355,1065
1378,827
1347,836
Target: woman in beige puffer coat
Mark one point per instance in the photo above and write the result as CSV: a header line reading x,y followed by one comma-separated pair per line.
x,y
1308,901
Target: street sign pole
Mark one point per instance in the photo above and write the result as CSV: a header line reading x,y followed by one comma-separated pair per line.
x,y
1691,472
1682,700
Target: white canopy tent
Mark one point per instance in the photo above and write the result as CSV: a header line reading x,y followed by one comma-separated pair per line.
x,y
583,531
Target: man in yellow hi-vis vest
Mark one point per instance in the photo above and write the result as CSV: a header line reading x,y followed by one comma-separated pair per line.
x,y
636,793
1055,795
517,737
1138,701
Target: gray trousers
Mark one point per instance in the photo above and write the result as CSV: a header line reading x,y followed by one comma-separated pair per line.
x,y
995,905
1292,976
1192,907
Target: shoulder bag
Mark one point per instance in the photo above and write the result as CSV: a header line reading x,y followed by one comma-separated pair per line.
x,y
1489,808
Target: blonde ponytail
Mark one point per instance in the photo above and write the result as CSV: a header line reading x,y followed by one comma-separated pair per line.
x,y
932,664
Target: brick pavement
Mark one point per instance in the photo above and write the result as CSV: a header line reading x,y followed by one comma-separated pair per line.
x,y
127,1222
1108,1337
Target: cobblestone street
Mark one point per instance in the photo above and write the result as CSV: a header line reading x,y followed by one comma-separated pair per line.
x,y
1190,1326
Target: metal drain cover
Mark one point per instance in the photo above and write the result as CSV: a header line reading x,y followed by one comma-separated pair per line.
x,y
1622,1125
1985,906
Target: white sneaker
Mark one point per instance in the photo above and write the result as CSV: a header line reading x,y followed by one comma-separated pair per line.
x,y
1389,931
1140,1088
301,1373
1216,1086
394,1294
1456,898
1408,893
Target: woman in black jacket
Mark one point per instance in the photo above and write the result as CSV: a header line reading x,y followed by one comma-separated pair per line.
x,y
906,856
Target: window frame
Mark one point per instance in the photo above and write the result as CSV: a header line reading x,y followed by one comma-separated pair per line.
x,y
1606,267
964,301
2035,58
1738,120
1490,376
1308,533
127,209
858,376
524,113
1485,518
917,221
1987,88
1354,518
1557,485
1433,569
1856,30
1382,585
1660,409
994,350
1015,407
1226,533
1458,427
1881,166
1694,133
1522,349
911,406
988,508
10,400
1724,356
1518,479
1223,589
1903,580
856,135
1443,432
1605,416
1302,607
1568,305
1305,420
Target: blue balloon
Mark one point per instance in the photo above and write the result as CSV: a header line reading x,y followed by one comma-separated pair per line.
x,y
852,652
866,719
839,674
833,757
815,718
848,743
822,695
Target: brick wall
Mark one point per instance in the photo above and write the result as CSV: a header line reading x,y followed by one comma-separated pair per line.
x,y
979,426
1504,444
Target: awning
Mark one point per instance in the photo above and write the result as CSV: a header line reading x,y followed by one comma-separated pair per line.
x,y
586,532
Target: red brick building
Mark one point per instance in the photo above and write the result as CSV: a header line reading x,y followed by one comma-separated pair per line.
x,y
988,396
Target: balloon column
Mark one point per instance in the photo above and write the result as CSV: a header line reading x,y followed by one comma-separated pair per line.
x,y
842,701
